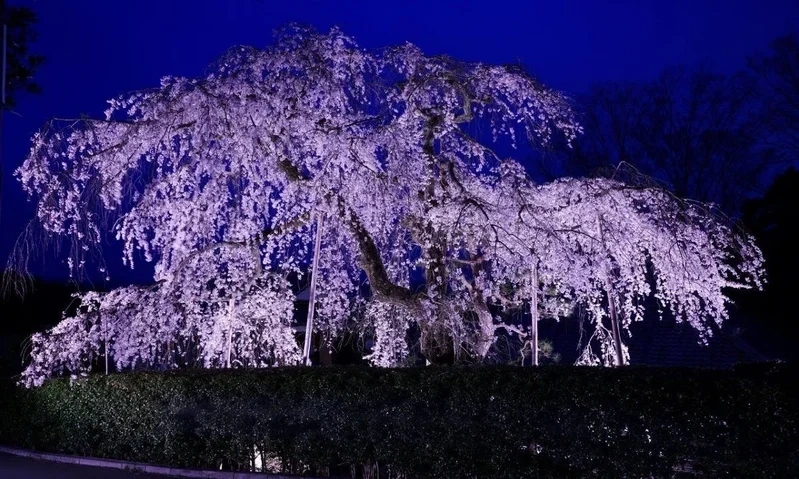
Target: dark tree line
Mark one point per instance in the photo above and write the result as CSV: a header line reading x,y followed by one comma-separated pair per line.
x,y
693,130
773,219
710,137
721,139
19,317
21,63
777,72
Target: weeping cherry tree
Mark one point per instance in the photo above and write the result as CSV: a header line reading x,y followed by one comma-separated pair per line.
x,y
218,181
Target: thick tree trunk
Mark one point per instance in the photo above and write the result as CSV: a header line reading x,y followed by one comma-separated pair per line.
x,y
487,330
614,317
371,262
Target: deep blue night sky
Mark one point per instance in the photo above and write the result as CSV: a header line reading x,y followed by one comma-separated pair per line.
x,y
97,49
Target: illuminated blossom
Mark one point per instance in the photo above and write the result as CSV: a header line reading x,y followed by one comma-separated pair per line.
x,y
217,180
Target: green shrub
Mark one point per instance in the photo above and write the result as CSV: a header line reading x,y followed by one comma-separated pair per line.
x,y
445,422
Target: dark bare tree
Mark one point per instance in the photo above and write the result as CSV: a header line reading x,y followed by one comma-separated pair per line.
x,y
777,75
693,130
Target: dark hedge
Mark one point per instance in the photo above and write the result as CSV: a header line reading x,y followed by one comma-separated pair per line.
x,y
442,422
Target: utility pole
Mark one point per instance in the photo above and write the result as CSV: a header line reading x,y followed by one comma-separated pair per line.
x,y
105,345
229,340
306,352
534,314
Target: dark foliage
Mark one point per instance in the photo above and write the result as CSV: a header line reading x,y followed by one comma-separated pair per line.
x,y
426,422
20,63
772,219
40,308
694,130
777,74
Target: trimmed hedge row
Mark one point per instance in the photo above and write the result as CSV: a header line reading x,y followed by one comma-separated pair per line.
x,y
441,422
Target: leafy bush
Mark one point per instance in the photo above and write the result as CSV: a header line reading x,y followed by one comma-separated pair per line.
x,y
427,422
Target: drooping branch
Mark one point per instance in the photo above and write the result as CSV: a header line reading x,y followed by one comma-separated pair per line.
x,y
379,143
372,263
251,243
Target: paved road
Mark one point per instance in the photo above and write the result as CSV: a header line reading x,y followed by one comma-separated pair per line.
x,y
15,467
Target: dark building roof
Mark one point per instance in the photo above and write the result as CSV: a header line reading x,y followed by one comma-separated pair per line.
x,y
660,343
665,343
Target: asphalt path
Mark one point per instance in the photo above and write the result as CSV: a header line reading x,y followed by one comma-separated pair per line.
x,y
15,467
